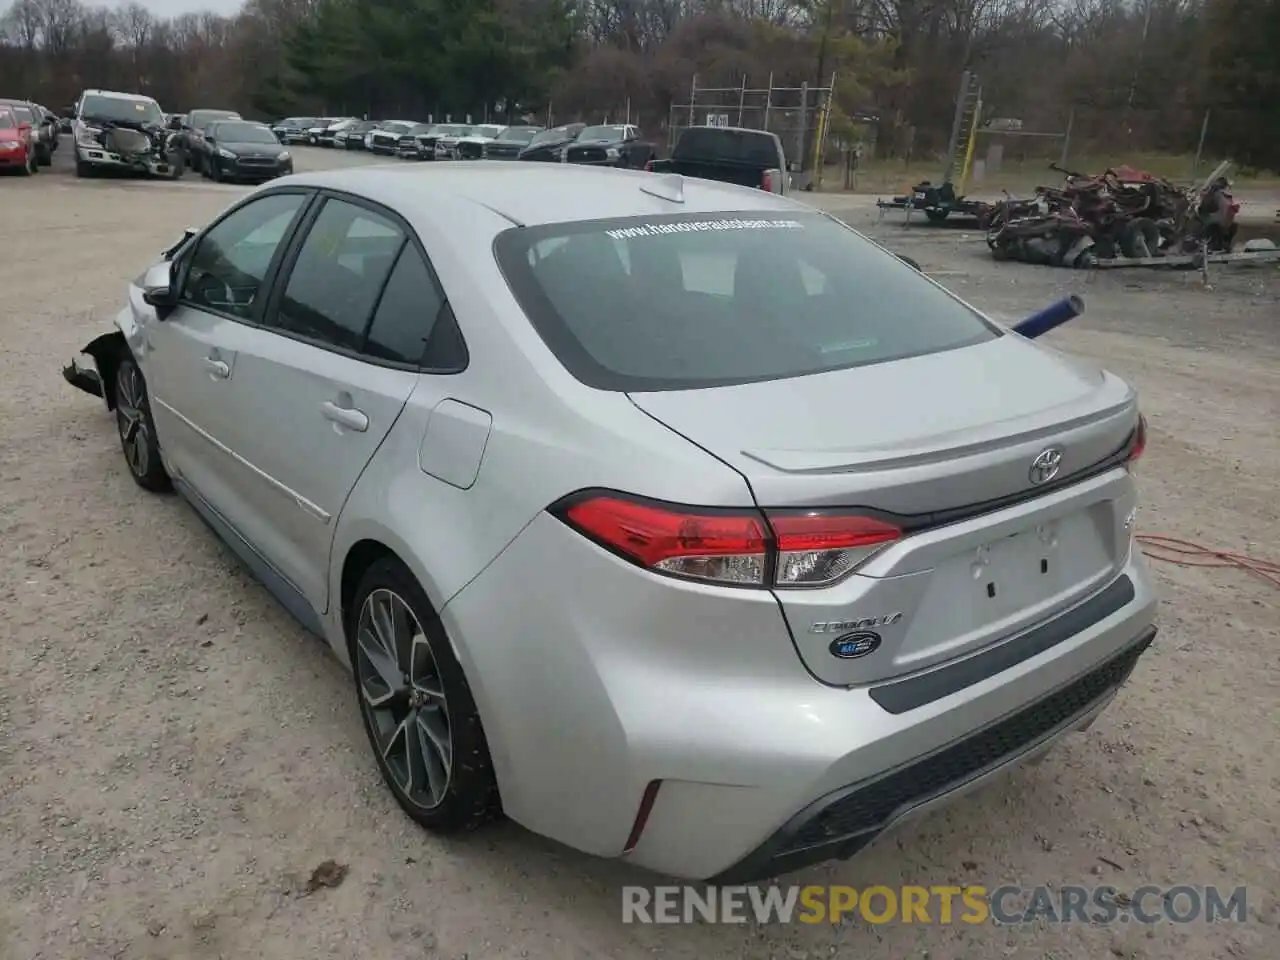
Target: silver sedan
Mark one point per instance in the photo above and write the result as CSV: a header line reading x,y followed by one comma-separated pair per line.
x,y
676,520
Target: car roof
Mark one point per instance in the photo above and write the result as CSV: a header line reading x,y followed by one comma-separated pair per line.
x,y
136,97
536,193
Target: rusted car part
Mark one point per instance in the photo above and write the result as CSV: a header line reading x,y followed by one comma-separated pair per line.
x,y
1127,214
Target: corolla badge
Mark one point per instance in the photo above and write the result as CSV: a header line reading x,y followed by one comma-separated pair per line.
x,y
1045,466
854,645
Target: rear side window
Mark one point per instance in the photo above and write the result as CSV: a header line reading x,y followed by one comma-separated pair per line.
x,y
733,146
407,312
691,301
338,274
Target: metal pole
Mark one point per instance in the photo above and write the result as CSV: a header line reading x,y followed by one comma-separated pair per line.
x,y
693,98
742,98
802,137
768,101
1204,132
1066,138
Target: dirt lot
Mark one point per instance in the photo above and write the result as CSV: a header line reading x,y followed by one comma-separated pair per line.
x,y
176,756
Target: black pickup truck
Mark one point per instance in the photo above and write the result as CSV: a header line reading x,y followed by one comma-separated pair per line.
x,y
750,158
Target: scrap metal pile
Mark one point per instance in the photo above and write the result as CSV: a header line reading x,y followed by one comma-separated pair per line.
x,y
1122,213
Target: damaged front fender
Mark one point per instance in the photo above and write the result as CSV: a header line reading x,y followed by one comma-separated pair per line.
x,y
98,375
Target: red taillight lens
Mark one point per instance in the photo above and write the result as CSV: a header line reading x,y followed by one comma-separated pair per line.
x,y
734,547
816,548
648,166
1138,442
723,547
766,182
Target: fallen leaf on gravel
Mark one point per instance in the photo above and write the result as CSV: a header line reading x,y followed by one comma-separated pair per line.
x,y
328,874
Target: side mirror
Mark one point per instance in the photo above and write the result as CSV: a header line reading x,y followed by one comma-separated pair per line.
x,y
162,298
209,140
160,287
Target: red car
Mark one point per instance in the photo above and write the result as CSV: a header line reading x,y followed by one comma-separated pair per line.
x,y
17,144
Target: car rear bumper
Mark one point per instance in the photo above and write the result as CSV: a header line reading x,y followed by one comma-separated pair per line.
x,y
608,679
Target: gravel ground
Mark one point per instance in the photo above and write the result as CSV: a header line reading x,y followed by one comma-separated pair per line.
x,y
176,757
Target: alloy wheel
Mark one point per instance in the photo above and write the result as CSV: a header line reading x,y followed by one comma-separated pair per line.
x,y
402,695
130,419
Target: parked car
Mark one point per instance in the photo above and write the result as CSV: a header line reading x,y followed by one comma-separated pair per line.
x,y
749,158
192,134
611,145
51,129
550,145
508,144
44,128
638,578
410,144
316,133
471,147
120,131
352,136
294,129
330,136
17,143
384,139
426,140
446,143
243,150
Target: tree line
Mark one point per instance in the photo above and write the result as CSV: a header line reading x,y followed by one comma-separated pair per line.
x,y
1146,69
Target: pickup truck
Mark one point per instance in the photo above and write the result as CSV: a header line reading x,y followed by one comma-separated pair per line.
x,y
750,158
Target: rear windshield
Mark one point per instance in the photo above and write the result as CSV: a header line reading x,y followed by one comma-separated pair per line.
x,y
6,120
699,300
732,146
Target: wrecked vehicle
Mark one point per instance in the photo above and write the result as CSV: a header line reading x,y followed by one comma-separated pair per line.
x,y
1121,213
123,131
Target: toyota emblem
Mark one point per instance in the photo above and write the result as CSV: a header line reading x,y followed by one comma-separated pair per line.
x,y
1045,466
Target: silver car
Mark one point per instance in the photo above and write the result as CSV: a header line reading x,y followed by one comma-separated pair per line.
x,y
676,520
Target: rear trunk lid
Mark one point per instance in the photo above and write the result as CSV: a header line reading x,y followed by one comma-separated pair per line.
x,y
943,444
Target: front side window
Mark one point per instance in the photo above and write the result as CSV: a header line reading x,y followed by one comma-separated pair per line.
x,y
689,301
338,275
230,262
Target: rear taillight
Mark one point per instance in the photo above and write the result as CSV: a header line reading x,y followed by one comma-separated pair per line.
x,y
745,548
766,182
1137,440
815,549
648,166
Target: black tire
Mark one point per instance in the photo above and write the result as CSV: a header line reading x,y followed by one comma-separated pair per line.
x,y
469,797
935,214
1140,237
215,170
44,155
137,429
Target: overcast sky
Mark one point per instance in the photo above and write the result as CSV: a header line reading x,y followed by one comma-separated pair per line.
x,y
171,8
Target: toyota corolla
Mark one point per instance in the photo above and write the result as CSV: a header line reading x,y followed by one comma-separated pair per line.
x,y
676,520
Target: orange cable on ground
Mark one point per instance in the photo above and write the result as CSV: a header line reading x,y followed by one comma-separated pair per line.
x,y
1184,553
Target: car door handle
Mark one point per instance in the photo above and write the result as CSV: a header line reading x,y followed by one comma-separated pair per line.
x,y
217,368
344,416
